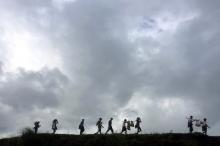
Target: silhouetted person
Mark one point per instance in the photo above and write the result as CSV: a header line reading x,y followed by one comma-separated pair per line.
x,y
124,127
128,125
54,125
81,127
110,126
99,124
137,125
190,124
36,126
204,126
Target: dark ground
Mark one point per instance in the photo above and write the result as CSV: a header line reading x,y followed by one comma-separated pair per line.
x,y
112,140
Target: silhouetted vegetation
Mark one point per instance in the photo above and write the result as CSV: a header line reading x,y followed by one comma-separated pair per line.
x,y
27,131
30,139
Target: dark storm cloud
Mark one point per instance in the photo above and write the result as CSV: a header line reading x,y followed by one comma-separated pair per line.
x,y
28,89
23,93
175,58
24,90
187,68
107,57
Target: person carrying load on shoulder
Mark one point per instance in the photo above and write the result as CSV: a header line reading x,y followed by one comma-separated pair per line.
x,y
190,124
36,126
99,124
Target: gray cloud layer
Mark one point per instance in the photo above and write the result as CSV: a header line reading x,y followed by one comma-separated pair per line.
x,y
119,58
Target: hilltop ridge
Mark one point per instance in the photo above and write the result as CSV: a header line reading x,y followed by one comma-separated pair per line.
x,y
112,140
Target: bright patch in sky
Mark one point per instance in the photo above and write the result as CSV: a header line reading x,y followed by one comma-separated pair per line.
x,y
30,51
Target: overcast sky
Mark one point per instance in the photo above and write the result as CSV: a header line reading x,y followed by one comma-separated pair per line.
x,y
73,59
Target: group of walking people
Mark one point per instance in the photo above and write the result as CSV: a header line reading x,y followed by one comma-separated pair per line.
x,y
54,126
198,123
126,125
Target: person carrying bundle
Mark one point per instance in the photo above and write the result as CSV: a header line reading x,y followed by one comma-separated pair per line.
x,y
36,126
130,124
190,124
99,124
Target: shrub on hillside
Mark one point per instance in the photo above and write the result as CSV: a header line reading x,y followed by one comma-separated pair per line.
x,y
27,131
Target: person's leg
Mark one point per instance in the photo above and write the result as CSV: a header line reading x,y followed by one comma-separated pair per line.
x,y
205,130
107,131
140,129
122,130
190,129
112,130
83,130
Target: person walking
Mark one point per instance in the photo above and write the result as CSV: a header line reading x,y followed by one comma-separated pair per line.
x,y
110,126
99,125
81,127
124,127
205,126
137,125
190,124
36,126
54,125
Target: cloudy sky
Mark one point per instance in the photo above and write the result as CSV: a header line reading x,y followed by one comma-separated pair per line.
x,y
73,59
